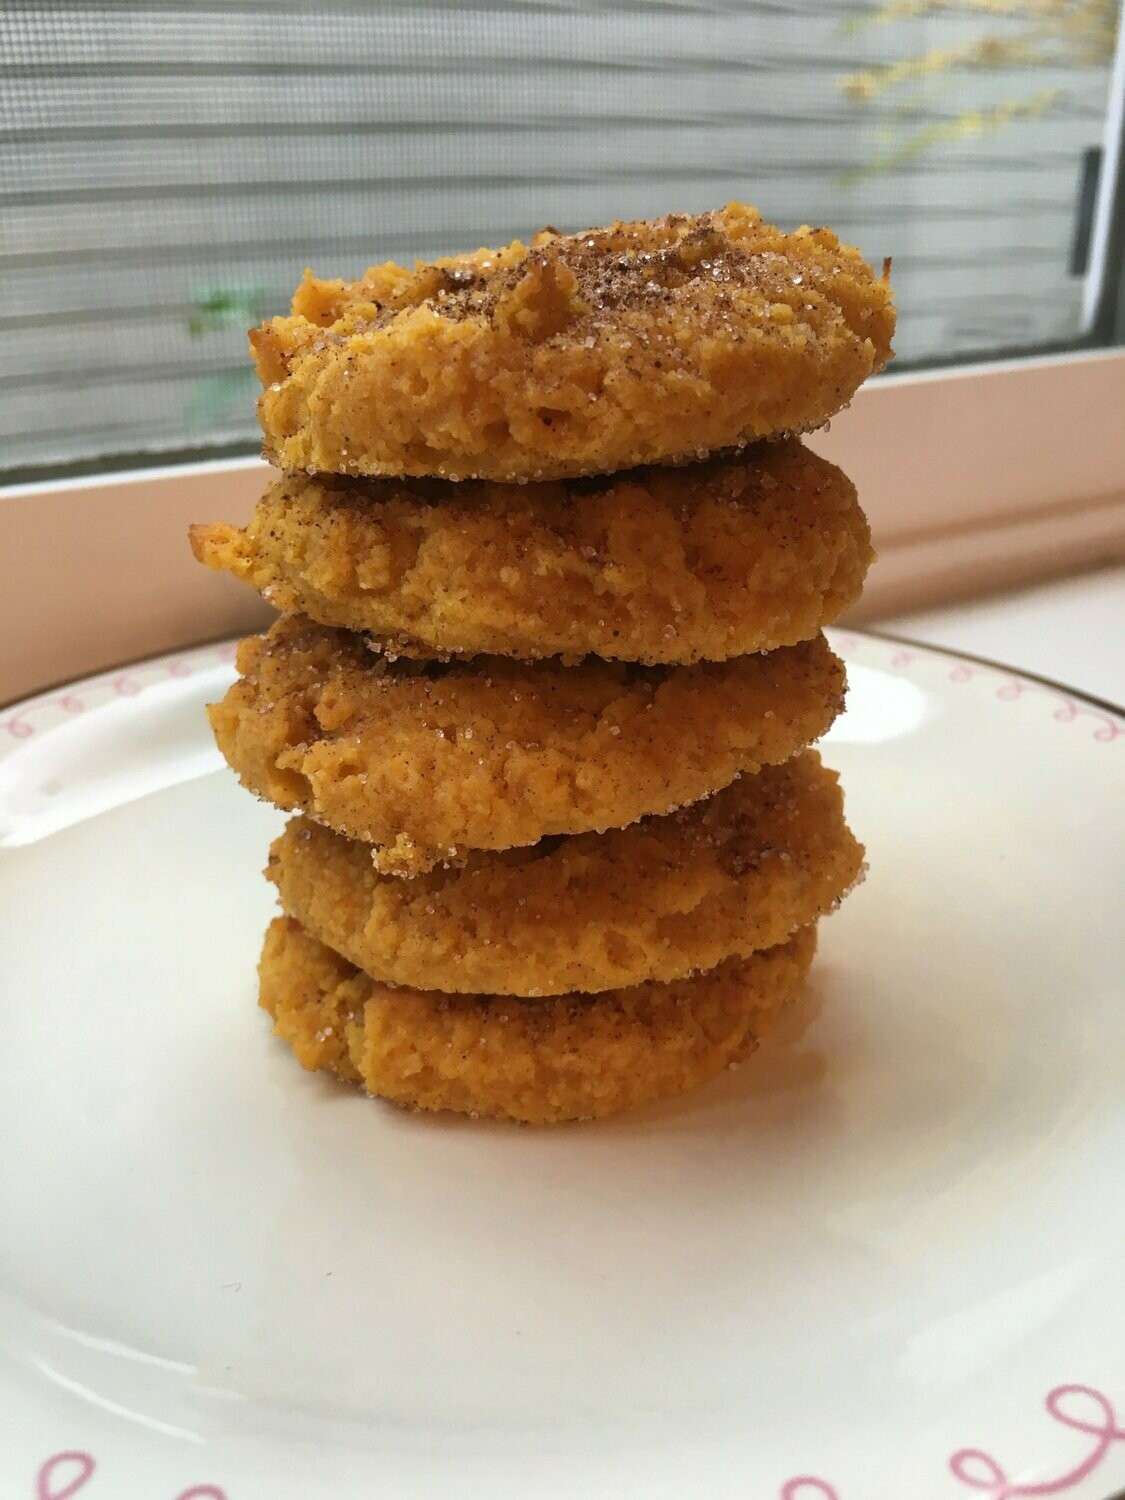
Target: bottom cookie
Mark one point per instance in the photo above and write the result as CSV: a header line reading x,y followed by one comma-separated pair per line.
x,y
539,1061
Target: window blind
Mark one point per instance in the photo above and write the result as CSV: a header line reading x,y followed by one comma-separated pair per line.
x,y
166,171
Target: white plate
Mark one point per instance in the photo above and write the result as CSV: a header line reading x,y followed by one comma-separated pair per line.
x,y
859,1267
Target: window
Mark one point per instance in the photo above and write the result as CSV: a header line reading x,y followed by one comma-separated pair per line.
x,y
168,169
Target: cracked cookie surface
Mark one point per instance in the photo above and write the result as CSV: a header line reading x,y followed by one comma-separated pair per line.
x,y
637,343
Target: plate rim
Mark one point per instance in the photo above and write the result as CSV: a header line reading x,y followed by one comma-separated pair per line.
x,y
1106,705
224,647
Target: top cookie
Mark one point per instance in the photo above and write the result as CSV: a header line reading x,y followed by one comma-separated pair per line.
x,y
640,343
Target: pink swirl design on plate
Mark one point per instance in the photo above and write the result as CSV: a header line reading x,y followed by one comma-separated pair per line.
x,y
1010,690
49,1476
92,692
806,1487
1066,713
977,1470
991,1479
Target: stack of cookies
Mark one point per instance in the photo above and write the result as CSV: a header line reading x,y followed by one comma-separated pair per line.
x,y
551,569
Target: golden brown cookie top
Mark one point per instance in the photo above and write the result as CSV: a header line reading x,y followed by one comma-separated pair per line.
x,y
646,342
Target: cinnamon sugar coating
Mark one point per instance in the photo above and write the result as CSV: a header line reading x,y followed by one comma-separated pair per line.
x,y
640,343
660,900
539,1061
657,565
429,760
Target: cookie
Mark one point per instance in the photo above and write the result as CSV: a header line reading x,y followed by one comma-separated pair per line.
x,y
706,562
539,1061
587,353
428,760
658,901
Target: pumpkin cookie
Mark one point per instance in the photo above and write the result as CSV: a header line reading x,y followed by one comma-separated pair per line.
x,y
584,353
709,561
540,1061
665,898
429,760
